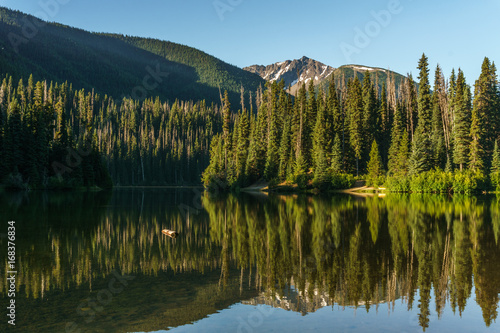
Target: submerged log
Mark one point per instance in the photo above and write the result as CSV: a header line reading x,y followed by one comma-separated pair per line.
x,y
170,233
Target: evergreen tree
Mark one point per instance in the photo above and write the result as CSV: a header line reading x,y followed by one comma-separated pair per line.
x,y
384,133
355,114
424,97
226,113
243,144
484,128
371,122
284,152
375,166
337,160
421,155
495,162
396,132
438,135
273,143
462,128
402,157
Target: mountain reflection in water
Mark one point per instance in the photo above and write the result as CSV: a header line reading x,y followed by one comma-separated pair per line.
x,y
299,253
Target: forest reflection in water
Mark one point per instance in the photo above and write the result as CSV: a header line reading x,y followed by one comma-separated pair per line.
x,y
296,252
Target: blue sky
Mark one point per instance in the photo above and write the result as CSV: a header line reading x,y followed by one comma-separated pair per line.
x,y
388,34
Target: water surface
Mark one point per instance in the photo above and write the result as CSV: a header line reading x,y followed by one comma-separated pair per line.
x,y
98,262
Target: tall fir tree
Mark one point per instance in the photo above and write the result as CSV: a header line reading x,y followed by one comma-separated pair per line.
x,y
355,114
421,155
484,128
375,166
462,123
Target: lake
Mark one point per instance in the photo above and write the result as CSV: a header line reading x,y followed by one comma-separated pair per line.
x,y
98,262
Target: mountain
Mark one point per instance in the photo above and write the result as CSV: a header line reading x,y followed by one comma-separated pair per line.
x,y
378,75
114,64
294,72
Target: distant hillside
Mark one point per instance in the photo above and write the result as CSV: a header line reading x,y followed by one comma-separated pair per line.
x,y
114,64
296,72
378,75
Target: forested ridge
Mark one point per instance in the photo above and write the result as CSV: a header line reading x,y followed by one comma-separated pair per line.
x,y
114,64
438,140
52,136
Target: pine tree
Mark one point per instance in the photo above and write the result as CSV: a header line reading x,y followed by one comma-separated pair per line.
x,y
243,144
438,135
420,159
495,163
272,160
336,160
226,112
320,170
424,97
375,166
371,123
384,133
402,157
396,132
284,152
484,117
355,114
320,143
421,155
462,128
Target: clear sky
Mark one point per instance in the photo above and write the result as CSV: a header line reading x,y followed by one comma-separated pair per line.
x,y
381,33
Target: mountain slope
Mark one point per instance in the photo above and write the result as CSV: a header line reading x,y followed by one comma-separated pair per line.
x,y
293,72
114,64
296,72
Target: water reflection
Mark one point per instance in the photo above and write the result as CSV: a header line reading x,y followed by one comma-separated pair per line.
x,y
299,253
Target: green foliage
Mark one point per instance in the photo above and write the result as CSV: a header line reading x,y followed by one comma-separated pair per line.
x,y
495,162
495,180
420,158
462,123
438,181
375,167
398,184
469,182
118,65
433,181
341,181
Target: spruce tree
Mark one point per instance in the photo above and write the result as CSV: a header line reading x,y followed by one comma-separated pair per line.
x,y
462,128
424,97
402,157
438,135
355,114
272,160
420,159
284,152
337,159
484,117
375,167
421,156
226,113
495,162
243,144
371,123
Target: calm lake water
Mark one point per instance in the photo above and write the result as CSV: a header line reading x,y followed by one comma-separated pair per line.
x,y
98,262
